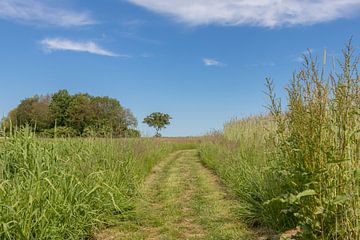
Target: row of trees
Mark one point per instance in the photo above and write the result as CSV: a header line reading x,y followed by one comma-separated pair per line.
x,y
73,115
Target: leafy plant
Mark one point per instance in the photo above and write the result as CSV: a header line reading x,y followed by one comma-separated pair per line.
x,y
158,120
299,168
318,144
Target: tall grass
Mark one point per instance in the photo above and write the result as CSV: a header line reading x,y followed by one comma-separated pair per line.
x,y
242,163
307,174
318,148
255,129
68,188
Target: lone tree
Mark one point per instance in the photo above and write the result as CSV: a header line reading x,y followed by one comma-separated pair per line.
x,y
158,121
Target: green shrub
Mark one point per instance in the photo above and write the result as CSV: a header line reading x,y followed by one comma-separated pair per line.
x,y
317,150
62,132
132,133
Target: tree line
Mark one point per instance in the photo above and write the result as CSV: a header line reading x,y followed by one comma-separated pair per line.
x,y
63,114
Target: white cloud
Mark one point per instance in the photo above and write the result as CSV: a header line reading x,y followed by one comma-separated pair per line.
x,y
37,12
212,62
265,13
58,44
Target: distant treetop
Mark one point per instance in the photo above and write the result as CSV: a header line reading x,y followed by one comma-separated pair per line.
x,y
73,115
158,121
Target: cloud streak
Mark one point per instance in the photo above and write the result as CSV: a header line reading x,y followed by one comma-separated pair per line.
x,y
212,62
264,13
58,44
38,13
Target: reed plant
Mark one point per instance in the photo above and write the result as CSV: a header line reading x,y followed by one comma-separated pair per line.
x,y
303,172
317,146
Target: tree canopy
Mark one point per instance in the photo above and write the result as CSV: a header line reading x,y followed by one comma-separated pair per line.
x,y
73,115
158,121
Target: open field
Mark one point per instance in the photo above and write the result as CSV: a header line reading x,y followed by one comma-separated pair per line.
x,y
181,200
67,188
180,120
291,174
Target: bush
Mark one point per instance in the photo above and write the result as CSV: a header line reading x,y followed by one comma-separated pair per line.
x,y
62,132
132,133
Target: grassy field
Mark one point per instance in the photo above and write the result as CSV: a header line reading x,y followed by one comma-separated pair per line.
x,y
68,188
298,168
181,200
294,173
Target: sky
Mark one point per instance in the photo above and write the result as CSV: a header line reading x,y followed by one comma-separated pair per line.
x,y
203,62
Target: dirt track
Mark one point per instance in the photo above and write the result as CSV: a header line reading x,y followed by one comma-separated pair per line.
x,y
181,200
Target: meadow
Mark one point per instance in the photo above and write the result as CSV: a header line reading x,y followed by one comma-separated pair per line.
x,y
69,188
298,168
295,170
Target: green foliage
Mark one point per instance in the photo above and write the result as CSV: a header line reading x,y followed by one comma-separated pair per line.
x,y
317,144
109,114
69,188
158,121
82,114
241,166
303,171
62,132
33,111
132,133
59,107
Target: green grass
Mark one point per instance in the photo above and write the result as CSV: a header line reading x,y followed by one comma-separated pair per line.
x,y
299,166
296,168
69,188
181,200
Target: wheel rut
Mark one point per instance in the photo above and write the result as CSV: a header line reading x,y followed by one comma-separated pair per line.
x,y
181,199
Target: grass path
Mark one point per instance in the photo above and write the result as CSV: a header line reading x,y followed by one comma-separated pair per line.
x,y
181,200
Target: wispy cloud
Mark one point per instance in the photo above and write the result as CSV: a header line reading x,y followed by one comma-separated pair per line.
x,y
39,13
212,62
265,13
58,44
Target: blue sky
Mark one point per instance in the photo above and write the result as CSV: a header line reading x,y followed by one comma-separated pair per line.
x,y
201,61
